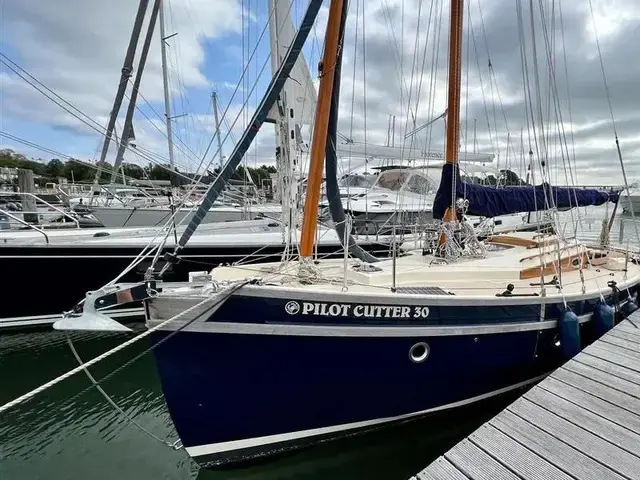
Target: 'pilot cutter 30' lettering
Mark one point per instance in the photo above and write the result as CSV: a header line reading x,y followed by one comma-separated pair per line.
x,y
355,310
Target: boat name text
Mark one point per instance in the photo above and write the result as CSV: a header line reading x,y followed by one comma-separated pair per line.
x,y
355,310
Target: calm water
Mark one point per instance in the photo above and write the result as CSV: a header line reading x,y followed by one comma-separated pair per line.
x,y
70,432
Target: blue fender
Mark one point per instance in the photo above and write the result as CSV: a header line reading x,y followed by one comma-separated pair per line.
x,y
629,307
603,319
569,334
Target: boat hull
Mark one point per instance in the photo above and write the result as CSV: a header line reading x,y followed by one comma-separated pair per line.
x,y
63,274
258,375
630,204
229,405
112,217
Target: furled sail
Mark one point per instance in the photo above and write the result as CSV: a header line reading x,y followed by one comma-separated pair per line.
x,y
490,201
299,90
273,91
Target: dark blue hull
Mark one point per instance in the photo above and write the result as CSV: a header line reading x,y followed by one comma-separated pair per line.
x,y
233,396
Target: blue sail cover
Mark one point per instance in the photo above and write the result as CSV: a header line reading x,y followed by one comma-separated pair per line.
x,y
489,201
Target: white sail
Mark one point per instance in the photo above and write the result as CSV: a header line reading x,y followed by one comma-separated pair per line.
x,y
299,92
294,109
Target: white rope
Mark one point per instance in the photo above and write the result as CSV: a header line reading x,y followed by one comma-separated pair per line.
x,y
29,395
174,445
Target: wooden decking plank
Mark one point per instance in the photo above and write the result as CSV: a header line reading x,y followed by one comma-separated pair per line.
x,y
616,370
632,321
613,357
477,464
625,418
624,335
598,425
441,469
617,351
598,389
553,450
621,342
628,329
604,378
519,458
594,447
581,423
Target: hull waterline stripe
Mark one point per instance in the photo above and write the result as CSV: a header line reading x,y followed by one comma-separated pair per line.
x,y
202,450
364,331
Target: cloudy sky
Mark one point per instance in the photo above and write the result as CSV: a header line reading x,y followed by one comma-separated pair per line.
x,y
395,63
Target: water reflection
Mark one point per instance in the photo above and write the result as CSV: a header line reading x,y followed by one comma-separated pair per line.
x,y
71,432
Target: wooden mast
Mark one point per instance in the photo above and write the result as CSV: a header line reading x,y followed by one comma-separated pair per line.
x,y
320,129
453,103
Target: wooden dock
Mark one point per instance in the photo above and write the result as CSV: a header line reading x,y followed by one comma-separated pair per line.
x,y
582,422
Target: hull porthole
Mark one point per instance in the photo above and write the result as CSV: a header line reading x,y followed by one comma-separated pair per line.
x,y
419,352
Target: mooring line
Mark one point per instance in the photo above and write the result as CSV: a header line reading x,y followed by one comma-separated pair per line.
x,y
111,402
29,395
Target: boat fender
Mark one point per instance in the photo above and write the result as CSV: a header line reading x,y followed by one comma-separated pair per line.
x,y
569,333
629,307
603,318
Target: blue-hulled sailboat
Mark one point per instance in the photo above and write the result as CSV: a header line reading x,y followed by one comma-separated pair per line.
x,y
257,359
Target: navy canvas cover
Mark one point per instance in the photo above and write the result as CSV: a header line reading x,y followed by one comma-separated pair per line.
x,y
491,201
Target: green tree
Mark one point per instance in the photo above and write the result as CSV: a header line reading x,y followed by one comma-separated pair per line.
x,y
54,169
491,180
157,172
77,171
258,174
105,171
509,177
132,170
11,159
80,171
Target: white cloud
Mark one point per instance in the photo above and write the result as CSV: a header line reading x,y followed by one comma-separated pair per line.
x,y
76,47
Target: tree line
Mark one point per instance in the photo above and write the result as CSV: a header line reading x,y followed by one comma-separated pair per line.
x,y
81,172
505,178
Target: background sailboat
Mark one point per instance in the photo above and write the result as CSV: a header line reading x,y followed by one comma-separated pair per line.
x,y
99,256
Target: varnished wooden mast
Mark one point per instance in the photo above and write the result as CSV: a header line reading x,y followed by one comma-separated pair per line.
x,y
320,129
455,77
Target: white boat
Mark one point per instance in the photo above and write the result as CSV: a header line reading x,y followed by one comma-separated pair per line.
x,y
149,216
403,198
631,201
116,195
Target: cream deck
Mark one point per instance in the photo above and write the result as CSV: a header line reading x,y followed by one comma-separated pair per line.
x,y
464,277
